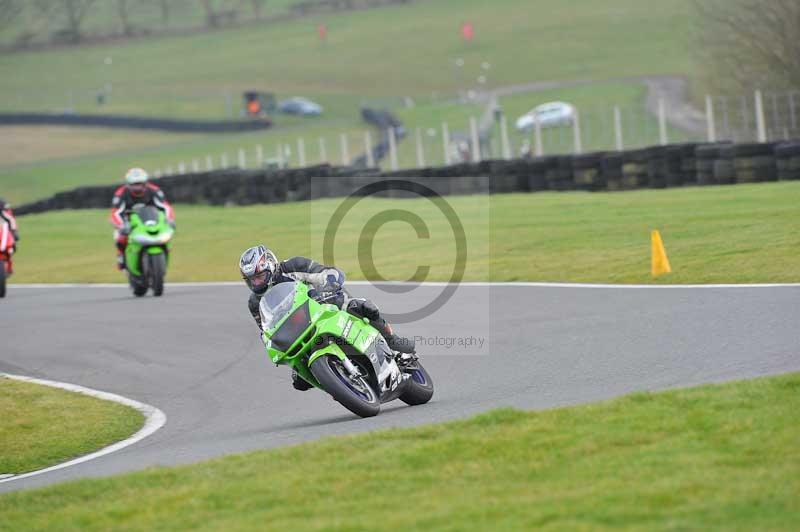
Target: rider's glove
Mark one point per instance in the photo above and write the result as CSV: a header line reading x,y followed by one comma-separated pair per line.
x,y
16,235
334,280
125,229
171,223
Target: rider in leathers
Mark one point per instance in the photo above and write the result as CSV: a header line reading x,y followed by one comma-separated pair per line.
x,y
261,269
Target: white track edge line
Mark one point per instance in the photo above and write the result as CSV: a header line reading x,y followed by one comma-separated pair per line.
x,y
154,420
521,284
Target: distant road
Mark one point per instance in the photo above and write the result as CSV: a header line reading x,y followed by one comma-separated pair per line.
x,y
673,89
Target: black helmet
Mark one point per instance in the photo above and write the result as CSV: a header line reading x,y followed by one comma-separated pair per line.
x,y
259,266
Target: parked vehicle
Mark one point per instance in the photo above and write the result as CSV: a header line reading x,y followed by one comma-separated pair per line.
x,y
300,106
148,250
551,114
338,352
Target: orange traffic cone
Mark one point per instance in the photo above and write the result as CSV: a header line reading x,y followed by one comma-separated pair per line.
x,y
659,263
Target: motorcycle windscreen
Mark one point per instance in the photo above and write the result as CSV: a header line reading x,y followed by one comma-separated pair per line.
x,y
147,213
295,325
276,304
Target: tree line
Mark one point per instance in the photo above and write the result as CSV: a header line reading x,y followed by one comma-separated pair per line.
x,y
66,20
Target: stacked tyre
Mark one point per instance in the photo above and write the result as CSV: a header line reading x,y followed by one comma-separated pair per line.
x,y
611,166
657,167
634,169
707,169
787,157
587,171
754,163
559,175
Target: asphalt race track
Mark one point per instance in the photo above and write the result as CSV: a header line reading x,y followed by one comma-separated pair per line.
x,y
196,355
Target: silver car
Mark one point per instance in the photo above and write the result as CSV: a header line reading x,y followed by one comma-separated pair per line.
x,y
550,114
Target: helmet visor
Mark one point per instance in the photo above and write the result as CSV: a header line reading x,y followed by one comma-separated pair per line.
x,y
260,281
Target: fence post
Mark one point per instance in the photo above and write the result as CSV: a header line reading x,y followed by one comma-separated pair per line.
x,y
662,123
368,150
711,126
209,163
476,141
345,150
761,129
504,142
301,152
420,152
576,133
242,159
446,142
323,152
393,149
280,156
195,166
259,155
776,120
618,129
538,145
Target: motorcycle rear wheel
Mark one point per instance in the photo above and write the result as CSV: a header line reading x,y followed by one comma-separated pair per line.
x,y
356,395
419,387
2,278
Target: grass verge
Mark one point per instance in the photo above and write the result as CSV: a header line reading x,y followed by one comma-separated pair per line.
x,y
710,458
42,426
739,234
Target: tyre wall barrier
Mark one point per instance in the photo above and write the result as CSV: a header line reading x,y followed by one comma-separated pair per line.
x,y
655,167
134,122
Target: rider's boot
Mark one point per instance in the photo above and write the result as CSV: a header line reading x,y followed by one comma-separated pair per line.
x,y
120,257
299,383
396,343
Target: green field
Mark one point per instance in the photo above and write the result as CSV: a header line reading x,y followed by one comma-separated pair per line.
x,y
734,234
42,426
720,457
400,51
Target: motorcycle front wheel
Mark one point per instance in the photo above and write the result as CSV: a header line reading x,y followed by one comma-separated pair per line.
x,y
355,394
157,271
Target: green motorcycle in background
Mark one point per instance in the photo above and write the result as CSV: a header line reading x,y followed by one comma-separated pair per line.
x,y
147,253
338,352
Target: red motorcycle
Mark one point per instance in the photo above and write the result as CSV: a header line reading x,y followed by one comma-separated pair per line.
x,y
7,247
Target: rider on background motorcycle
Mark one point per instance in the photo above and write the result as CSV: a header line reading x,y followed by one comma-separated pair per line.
x,y
9,232
261,270
136,190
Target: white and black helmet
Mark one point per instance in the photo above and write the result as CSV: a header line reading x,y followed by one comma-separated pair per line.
x,y
259,266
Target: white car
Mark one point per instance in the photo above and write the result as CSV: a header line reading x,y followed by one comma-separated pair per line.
x,y
550,114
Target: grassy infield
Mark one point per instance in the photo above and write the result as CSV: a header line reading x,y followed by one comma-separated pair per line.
x,y
715,457
42,425
744,233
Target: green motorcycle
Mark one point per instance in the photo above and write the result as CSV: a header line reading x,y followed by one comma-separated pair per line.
x,y
147,253
338,352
